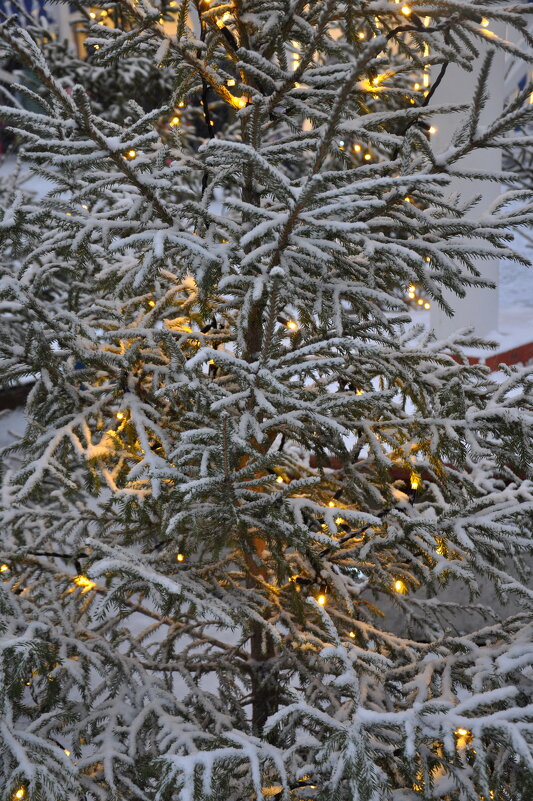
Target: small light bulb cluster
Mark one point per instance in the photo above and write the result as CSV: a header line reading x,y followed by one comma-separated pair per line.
x,y
417,300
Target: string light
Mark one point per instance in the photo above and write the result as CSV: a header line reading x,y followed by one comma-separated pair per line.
x,y
231,82
417,87
120,415
280,480
131,154
85,583
361,34
180,557
331,504
92,15
151,303
292,324
3,568
21,792
416,481
485,22
67,752
352,634
420,302
367,156
357,148
321,600
400,587
462,732
174,121
432,130
240,102
406,11
427,305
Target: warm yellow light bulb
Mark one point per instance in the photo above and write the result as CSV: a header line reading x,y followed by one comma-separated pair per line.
x,y
415,479
427,305
21,792
86,583
231,82
92,15
407,199
3,568
485,22
432,130
151,303
331,504
180,557
406,11
174,121
352,634
357,148
321,600
361,34
417,87
292,324
67,752
240,102
367,157
279,480
120,415
462,732
131,154
411,288
399,586
420,302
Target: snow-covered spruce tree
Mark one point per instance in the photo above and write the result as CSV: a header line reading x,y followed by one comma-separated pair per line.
x,y
238,450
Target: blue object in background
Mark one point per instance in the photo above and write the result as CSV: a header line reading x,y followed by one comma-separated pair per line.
x,y
36,8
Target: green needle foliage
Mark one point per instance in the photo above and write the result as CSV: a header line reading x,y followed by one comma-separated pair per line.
x,y
240,453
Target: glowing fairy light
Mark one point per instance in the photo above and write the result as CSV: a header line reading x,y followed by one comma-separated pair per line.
x,y
175,121
399,587
406,11
367,156
292,324
280,480
180,557
120,415
432,130
85,583
416,481
4,568
357,148
321,599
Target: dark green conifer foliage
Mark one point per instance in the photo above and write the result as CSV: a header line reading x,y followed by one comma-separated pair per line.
x,y
239,450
